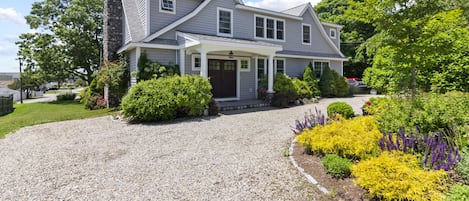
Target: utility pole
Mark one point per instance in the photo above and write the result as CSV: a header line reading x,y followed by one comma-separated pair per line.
x,y
21,82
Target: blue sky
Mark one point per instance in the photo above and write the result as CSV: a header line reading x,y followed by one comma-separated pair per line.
x,y
12,24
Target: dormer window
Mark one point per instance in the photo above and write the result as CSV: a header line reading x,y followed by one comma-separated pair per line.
x,y
333,33
225,22
168,6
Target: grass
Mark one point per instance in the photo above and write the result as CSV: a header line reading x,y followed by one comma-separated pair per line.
x,y
40,113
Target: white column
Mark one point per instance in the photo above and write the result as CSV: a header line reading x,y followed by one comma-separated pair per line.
x,y
203,64
138,52
270,75
182,61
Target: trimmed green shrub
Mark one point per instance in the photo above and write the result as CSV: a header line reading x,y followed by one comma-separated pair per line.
x,y
66,96
167,98
336,166
458,192
341,108
285,91
302,88
332,84
310,77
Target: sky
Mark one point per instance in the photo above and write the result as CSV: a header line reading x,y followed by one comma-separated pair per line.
x,y
13,24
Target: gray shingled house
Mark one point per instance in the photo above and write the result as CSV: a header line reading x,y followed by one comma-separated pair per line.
x,y
226,40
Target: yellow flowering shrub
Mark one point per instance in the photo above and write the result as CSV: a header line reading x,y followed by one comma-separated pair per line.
x,y
398,176
356,138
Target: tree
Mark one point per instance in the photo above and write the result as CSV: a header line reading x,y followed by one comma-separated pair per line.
x,y
403,50
75,33
353,34
310,77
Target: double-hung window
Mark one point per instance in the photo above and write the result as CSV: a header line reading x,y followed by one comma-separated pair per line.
x,y
269,28
280,66
332,33
306,34
168,6
319,68
225,22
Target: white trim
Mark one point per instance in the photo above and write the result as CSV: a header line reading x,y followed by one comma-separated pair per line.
x,y
332,25
256,74
193,57
265,28
248,59
178,22
231,22
303,33
284,65
166,11
267,12
130,46
333,31
311,57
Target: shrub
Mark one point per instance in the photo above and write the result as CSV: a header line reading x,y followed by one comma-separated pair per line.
x,y
66,96
302,89
458,192
310,77
462,168
337,166
285,91
167,98
398,176
356,138
341,108
332,84
149,70
438,152
310,121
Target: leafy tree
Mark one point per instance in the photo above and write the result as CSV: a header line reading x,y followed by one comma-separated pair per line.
x,y
75,34
326,83
418,44
353,34
310,77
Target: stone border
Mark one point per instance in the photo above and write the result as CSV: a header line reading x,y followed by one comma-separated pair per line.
x,y
302,171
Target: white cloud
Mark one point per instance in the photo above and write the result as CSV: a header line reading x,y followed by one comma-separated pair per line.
x,y
278,5
10,14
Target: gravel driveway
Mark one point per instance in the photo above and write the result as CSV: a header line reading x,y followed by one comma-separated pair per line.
x,y
230,157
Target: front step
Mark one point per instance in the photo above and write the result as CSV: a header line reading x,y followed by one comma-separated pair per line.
x,y
240,105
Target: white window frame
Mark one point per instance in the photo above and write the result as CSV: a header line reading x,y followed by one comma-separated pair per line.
x,y
303,33
322,67
284,65
193,57
333,31
218,22
265,28
249,64
167,11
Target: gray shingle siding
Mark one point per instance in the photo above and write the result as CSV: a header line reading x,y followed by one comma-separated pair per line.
x,y
248,83
159,20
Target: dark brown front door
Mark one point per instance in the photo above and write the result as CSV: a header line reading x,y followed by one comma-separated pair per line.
x,y
222,75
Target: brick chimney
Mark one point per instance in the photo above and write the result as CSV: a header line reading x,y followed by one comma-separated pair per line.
x,y
112,33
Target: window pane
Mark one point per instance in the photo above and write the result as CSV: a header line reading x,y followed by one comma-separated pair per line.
x,y
229,65
260,68
196,62
280,66
214,65
306,34
224,22
280,31
244,64
270,28
260,27
332,33
318,69
167,5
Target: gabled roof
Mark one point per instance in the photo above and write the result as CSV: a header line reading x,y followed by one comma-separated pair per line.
x,y
133,20
297,10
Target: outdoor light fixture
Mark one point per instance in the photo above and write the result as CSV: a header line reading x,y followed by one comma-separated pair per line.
x,y
230,55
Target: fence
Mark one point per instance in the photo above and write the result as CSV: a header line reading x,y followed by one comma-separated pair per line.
x,y
6,105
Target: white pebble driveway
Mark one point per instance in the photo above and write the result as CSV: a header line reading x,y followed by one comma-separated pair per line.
x,y
230,157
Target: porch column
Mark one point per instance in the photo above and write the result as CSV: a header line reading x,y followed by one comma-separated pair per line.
x,y
182,61
203,64
270,75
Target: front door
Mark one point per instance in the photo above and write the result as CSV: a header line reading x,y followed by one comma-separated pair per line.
x,y
222,75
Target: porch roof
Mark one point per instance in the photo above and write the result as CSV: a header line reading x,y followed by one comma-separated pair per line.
x,y
311,55
235,43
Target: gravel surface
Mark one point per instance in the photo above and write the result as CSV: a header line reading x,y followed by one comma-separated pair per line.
x,y
229,157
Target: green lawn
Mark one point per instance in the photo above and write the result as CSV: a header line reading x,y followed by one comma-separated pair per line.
x,y
39,113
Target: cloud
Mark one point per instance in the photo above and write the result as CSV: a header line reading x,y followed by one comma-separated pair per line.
x,y
11,15
278,5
